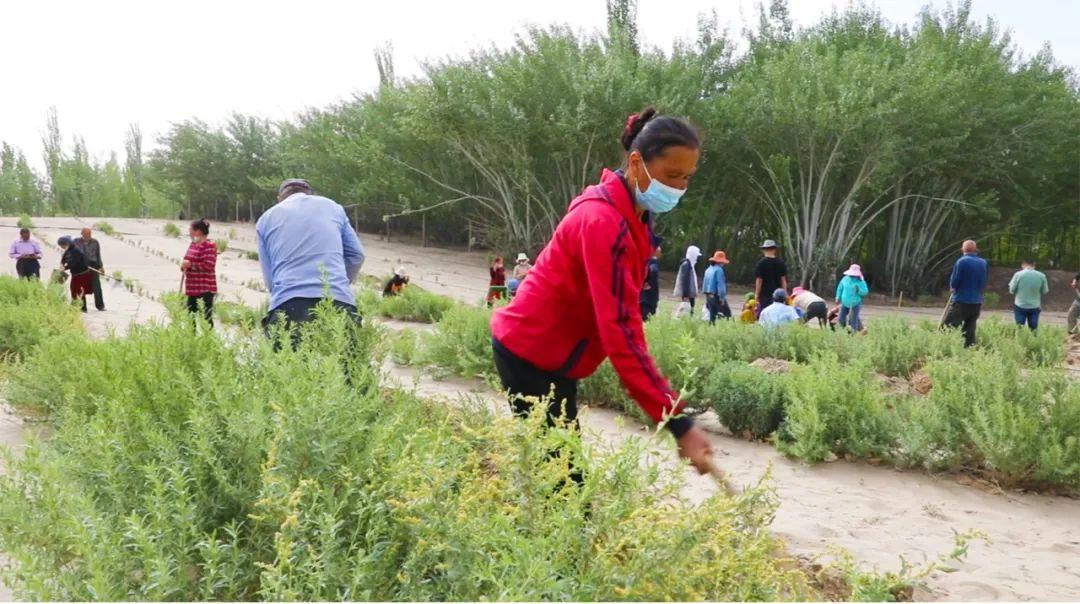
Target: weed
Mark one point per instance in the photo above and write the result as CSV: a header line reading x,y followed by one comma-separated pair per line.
x,y
415,304
221,244
25,222
171,230
105,227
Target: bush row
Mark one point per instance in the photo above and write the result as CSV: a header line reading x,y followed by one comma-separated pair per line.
x,y
1004,410
185,466
412,304
31,312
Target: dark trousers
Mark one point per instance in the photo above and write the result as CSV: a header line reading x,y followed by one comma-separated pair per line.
x,y
522,381
819,311
966,316
717,307
99,301
298,311
207,301
27,268
1027,316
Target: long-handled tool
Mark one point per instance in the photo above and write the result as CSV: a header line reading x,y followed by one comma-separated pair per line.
x,y
183,276
948,309
115,281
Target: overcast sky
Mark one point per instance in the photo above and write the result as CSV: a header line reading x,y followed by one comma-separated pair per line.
x,y
107,63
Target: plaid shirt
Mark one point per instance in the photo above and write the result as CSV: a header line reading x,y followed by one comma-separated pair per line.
x,y
201,278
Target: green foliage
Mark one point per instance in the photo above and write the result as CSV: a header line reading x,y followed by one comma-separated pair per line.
x,y
185,466
985,415
415,304
239,315
1045,347
746,398
31,313
252,255
171,230
834,408
221,244
25,222
104,227
461,342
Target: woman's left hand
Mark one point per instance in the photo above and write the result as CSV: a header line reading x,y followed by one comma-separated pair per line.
x,y
185,265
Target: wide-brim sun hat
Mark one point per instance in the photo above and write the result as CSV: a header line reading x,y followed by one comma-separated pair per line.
x,y
400,272
797,291
522,257
854,271
719,257
769,244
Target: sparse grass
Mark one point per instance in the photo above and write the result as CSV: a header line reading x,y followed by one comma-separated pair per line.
x,y
171,230
25,222
221,244
31,313
415,304
105,227
251,255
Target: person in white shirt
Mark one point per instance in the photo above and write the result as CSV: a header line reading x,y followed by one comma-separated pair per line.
x,y
778,313
810,306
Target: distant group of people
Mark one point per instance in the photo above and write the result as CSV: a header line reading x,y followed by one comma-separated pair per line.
x,y
499,287
80,264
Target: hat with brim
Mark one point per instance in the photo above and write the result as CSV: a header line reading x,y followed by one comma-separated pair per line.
x,y
298,184
769,245
400,272
854,271
719,257
522,257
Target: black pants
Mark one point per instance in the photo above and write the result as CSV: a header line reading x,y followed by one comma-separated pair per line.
x,y
298,311
99,300
648,309
716,307
964,315
819,311
206,299
523,381
28,268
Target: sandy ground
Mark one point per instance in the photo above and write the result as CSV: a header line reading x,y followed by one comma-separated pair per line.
x,y
878,514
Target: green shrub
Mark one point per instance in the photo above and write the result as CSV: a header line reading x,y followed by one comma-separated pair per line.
x,y
1045,347
252,255
239,315
604,389
31,312
184,466
221,244
25,222
896,348
985,415
105,227
404,347
834,408
461,343
746,398
415,304
171,230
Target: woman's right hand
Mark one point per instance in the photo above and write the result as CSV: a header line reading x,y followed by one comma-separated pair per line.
x,y
695,446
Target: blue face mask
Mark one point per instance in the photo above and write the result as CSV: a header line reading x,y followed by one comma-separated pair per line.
x,y
657,197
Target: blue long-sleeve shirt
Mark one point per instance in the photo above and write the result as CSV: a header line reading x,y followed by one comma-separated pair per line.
x,y
968,279
304,241
715,281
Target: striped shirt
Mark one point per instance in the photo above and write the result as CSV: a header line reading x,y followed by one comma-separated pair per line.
x,y
201,278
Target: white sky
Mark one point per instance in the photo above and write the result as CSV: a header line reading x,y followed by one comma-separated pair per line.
x,y
107,63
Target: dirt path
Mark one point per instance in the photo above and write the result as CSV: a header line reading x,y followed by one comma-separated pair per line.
x,y
876,513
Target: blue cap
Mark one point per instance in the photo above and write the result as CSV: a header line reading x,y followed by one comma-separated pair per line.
x,y
779,295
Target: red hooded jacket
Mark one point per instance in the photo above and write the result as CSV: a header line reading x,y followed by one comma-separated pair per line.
x,y
580,302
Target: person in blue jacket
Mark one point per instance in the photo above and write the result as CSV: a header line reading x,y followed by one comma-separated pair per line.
x,y
967,284
849,295
714,286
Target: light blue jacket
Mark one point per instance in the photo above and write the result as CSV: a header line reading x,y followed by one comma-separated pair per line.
x,y
715,281
851,291
304,241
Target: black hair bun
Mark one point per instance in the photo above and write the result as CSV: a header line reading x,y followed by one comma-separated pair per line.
x,y
634,125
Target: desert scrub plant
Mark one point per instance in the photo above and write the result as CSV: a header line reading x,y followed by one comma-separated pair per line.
x,y
221,244
229,471
25,222
171,230
251,255
984,415
1045,347
745,398
415,304
460,343
834,408
105,227
240,315
31,312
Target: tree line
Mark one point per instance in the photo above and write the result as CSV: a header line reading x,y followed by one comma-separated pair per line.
x,y
853,140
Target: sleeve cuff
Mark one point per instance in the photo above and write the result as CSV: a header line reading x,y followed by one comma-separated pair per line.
x,y
679,425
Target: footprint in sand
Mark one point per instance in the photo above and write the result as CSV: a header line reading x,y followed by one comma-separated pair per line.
x,y
973,591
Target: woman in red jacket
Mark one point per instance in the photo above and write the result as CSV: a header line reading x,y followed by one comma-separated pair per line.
x,y
580,302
